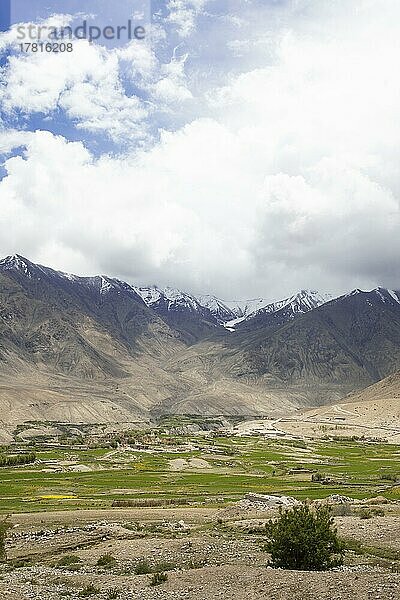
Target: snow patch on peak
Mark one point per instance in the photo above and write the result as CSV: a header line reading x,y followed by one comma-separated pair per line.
x,y
149,295
218,308
383,294
16,262
106,285
307,300
354,293
244,308
386,295
171,297
177,298
300,303
378,291
394,295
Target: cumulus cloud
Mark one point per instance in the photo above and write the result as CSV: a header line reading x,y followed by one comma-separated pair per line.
x,y
343,228
184,13
87,87
288,179
90,85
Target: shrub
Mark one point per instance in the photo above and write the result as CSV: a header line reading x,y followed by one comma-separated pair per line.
x,y
389,477
68,560
113,593
368,513
17,459
318,477
304,540
89,590
107,561
4,527
158,578
20,563
164,566
365,513
142,568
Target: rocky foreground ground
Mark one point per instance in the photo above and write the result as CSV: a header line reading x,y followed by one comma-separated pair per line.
x,y
205,553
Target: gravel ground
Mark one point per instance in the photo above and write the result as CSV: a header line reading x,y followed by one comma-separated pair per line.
x,y
207,559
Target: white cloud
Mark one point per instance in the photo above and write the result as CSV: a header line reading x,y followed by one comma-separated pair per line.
x,y
290,181
184,14
344,226
171,87
89,84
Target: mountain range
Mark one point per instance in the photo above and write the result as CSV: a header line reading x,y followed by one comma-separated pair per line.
x,y
99,350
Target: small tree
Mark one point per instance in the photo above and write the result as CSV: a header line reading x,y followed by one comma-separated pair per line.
x,y
303,540
4,527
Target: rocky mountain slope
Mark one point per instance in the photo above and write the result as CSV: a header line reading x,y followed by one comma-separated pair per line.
x,y
251,314
231,312
181,311
96,349
278,313
345,344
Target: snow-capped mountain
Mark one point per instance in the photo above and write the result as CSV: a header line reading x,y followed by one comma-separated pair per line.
x,y
218,308
227,311
181,311
22,265
378,294
200,315
99,285
302,302
65,329
245,308
231,313
282,311
170,299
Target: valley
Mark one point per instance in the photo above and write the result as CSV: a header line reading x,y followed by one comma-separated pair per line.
x,y
99,350
107,515
81,467
147,435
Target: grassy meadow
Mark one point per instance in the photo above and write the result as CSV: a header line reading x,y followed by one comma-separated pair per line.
x,y
203,471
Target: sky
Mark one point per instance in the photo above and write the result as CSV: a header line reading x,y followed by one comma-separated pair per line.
x,y
245,148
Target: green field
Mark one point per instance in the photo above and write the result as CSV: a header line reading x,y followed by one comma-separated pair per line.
x,y
235,466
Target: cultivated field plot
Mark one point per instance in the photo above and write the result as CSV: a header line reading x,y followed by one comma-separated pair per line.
x,y
160,469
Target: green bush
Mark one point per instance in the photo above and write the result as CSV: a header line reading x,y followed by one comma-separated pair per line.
x,y
68,560
20,563
113,593
17,459
158,578
389,477
164,566
143,567
107,561
365,513
301,539
89,590
368,513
